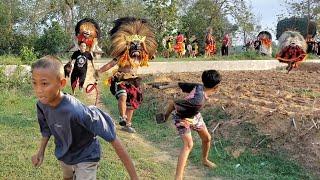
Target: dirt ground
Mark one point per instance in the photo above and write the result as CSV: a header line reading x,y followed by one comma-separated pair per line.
x,y
273,109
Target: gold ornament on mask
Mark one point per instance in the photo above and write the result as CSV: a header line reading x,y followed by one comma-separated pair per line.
x,y
135,37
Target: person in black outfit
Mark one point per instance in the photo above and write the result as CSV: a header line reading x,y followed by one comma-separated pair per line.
x,y
79,71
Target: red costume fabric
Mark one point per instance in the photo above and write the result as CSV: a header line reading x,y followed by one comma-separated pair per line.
x,y
178,47
291,54
210,44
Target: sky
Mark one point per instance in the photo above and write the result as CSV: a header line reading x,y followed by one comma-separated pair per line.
x,y
266,11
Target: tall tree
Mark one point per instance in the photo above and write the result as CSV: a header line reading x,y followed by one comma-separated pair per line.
x,y
10,16
163,15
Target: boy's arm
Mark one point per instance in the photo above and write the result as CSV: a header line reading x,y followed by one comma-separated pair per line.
x,y
187,87
37,159
125,158
171,85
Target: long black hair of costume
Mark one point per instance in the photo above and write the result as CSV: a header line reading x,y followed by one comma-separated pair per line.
x,y
77,28
124,20
265,32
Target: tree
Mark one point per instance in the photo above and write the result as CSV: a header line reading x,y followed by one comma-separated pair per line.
x,y
163,16
305,8
297,24
10,15
54,40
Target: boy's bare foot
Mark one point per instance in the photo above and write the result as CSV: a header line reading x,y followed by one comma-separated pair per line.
x,y
209,164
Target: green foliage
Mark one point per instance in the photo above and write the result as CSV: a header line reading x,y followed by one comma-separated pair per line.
x,y
53,41
18,80
296,24
28,55
10,60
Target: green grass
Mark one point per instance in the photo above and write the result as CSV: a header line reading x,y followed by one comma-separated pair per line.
x,y
264,164
306,93
250,55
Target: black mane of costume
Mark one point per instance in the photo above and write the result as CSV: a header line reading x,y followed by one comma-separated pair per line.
x,y
86,20
266,33
124,20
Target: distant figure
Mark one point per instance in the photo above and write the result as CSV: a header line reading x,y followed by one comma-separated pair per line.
x,y
226,42
210,48
179,46
195,50
265,43
168,47
189,48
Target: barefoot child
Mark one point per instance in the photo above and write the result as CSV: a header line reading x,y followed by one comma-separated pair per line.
x,y
73,125
186,116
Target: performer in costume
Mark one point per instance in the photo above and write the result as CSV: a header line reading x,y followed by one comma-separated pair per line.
x,y
292,49
210,48
264,43
133,44
179,46
167,44
87,31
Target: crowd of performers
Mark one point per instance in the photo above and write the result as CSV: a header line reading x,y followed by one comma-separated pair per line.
x,y
182,46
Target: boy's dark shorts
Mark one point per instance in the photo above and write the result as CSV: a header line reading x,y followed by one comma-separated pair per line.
x,y
185,109
127,88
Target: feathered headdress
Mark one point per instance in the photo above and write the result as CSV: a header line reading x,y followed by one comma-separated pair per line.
x,y
127,30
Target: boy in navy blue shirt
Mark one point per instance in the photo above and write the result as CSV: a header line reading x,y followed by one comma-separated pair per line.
x,y
73,125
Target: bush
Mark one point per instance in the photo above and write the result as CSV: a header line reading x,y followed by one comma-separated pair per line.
x,y
18,80
28,56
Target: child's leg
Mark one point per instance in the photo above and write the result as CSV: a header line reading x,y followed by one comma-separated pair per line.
x,y
122,106
206,142
82,78
183,156
129,113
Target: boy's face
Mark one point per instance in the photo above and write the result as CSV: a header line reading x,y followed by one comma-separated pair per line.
x,y
47,85
83,47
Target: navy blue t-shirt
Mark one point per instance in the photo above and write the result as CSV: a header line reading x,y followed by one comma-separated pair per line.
x,y
193,103
75,127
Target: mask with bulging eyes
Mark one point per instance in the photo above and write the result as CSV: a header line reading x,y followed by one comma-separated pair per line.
x,y
135,49
136,46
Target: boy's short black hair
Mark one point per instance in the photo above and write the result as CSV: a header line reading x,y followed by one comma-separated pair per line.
x,y
49,62
210,78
